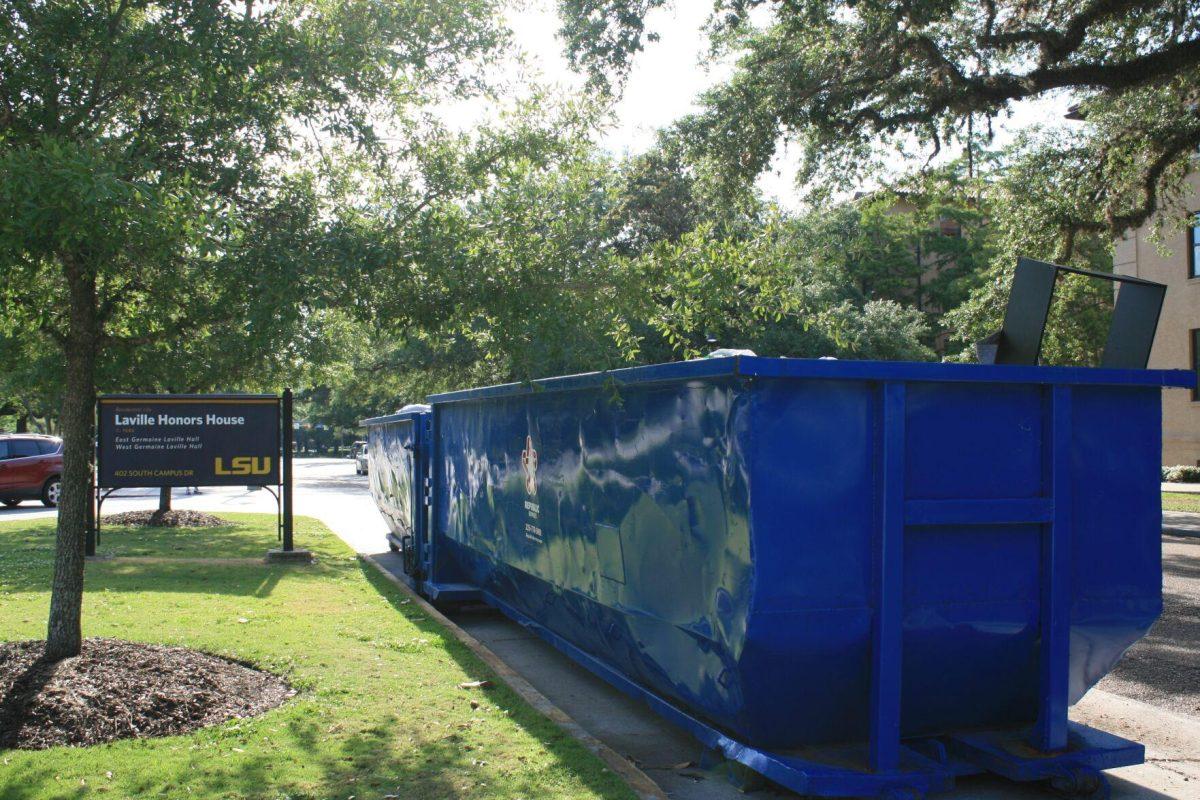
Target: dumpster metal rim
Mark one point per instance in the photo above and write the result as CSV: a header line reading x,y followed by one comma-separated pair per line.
x,y
830,369
403,415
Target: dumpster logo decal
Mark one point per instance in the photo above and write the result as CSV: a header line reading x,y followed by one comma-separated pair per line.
x,y
529,464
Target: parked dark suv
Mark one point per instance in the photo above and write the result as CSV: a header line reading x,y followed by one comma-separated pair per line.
x,y
30,468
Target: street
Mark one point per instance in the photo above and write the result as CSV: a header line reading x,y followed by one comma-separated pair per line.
x,y
1163,669
326,488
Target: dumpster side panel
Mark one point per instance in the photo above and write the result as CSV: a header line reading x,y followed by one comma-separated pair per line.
x,y
391,475
717,540
1116,552
972,591
970,594
812,480
619,521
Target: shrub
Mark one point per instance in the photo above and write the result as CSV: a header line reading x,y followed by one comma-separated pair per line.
x,y
1181,474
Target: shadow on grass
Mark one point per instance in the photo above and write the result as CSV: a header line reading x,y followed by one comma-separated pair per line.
x,y
235,540
230,541
567,752
363,764
182,577
27,555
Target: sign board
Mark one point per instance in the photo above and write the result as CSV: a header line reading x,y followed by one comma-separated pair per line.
x,y
188,440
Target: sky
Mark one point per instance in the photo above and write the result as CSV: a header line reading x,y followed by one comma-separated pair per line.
x,y
666,79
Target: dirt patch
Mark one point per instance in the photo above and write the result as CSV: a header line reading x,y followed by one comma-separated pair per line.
x,y
123,690
166,519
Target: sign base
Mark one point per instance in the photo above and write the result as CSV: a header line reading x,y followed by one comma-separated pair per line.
x,y
290,557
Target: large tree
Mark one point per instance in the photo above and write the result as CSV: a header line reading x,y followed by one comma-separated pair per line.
x,y
143,141
841,284
853,83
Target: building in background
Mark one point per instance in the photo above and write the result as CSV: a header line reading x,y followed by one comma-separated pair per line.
x,y
1173,258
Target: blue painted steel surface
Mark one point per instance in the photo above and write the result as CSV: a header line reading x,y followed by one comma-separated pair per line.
x,y
888,632
395,445
806,558
757,366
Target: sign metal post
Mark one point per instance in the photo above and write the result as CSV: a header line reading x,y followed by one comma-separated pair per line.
x,y
289,436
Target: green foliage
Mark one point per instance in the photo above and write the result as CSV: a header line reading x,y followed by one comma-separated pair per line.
x,y
667,192
171,148
568,261
166,179
605,33
871,91
862,87
227,182
787,292
1034,188
1181,474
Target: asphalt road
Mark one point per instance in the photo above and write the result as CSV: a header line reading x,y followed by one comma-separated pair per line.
x,y
1163,669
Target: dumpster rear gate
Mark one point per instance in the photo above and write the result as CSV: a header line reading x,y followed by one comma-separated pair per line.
x,y
855,578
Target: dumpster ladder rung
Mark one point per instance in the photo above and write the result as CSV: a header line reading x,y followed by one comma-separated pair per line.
x,y
1052,511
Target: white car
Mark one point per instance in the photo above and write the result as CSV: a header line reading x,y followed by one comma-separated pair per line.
x,y
360,459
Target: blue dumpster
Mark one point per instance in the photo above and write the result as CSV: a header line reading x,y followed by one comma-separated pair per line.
x,y
399,481
857,578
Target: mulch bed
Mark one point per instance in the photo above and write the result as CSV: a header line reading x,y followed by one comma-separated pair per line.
x,y
123,690
165,519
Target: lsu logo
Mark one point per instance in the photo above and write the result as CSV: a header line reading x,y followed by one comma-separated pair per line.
x,y
244,465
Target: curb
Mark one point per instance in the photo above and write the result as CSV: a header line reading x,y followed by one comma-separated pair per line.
x,y
639,782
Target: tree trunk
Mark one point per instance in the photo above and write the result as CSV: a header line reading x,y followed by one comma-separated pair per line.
x,y
23,423
64,636
164,499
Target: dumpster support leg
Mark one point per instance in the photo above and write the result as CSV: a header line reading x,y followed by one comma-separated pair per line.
x,y
887,636
1050,733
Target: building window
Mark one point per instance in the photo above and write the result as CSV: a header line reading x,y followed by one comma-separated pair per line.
x,y
1193,246
1196,361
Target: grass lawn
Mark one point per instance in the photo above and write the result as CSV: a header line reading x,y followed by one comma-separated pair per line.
x,y
1181,501
379,711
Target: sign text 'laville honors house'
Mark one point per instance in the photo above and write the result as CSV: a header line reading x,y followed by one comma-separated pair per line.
x,y
168,419
189,440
